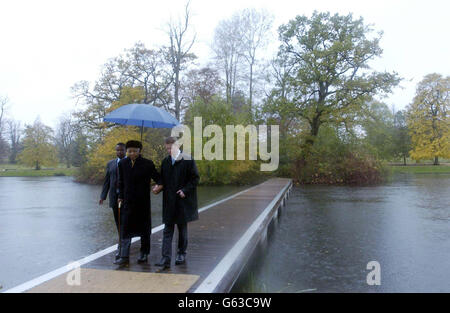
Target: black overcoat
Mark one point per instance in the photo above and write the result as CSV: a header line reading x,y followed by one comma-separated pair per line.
x,y
183,175
134,189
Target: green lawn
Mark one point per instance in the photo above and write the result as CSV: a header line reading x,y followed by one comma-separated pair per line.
x,y
421,169
14,170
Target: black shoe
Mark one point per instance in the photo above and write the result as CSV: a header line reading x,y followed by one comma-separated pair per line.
x,y
142,258
165,262
122,261
181,259
117,256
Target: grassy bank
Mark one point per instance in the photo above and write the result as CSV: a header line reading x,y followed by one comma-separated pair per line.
x,y
13,170
420,169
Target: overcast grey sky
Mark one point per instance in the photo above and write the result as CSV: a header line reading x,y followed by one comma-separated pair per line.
x,y
47,46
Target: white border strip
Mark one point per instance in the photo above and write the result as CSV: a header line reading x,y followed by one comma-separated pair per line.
x,y
214,278
64,269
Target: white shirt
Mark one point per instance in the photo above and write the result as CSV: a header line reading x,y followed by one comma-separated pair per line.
x,y
174,159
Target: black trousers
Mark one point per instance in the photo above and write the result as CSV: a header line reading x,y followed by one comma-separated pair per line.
x,y
168,236
125,244
115,210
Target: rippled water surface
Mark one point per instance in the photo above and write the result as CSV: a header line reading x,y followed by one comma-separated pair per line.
x,y
326,236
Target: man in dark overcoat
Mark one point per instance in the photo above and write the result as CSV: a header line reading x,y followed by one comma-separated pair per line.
x,y
135,175
111,186
179,177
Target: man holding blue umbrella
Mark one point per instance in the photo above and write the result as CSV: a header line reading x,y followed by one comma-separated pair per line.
x,y
179,176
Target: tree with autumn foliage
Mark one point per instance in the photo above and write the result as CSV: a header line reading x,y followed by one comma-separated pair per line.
x,y
38,149
92,170
140,75
429,120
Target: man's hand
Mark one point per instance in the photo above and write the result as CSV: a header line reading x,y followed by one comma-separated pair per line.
x,y
181,194
157,189
119,202
101,202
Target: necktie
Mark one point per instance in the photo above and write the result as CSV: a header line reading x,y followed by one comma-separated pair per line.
x,y
117,176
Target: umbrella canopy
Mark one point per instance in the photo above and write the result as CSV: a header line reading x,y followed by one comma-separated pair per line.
x,y
142,115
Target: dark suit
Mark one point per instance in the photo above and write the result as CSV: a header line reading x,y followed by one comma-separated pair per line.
x,y
181,175
110,185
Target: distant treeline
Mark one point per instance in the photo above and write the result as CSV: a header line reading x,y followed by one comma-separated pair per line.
x,y
319,88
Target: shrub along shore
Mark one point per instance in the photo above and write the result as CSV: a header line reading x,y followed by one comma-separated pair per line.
x,y
7,170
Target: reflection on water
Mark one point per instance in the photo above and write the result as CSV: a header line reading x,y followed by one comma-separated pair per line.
x,y
325,237
47,222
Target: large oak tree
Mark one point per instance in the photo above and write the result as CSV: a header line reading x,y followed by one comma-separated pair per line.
x,y
331,80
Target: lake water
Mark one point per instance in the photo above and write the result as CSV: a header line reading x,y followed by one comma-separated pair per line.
x,y
326,236
48,222
322,241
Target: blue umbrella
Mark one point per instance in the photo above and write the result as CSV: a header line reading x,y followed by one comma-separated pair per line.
x,y
142,115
